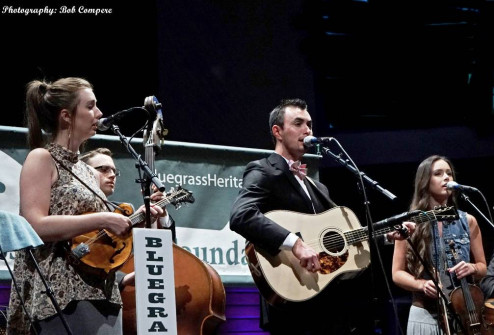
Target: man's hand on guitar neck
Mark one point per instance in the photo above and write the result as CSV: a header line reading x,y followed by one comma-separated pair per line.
x,y
163,219
396,235
157,212
306,255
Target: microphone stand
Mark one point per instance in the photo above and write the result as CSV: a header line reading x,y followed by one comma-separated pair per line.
x,y
372,242
374,184
149,176
467,199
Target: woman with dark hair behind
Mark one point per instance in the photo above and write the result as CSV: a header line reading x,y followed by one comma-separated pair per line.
x,y
432,241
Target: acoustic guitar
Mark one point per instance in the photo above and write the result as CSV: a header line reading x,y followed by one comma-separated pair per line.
x,y
339,239
102,250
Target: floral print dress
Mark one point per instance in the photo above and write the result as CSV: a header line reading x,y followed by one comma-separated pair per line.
x,y
68,283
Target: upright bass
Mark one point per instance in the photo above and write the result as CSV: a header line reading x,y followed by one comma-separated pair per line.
x,y
199,293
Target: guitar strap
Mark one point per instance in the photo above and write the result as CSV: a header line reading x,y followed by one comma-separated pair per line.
x,y
331,203
105,202
316,203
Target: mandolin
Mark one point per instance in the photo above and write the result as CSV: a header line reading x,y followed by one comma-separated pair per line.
x,y
100,249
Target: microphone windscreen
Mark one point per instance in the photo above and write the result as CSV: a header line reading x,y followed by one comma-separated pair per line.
x,y
309,141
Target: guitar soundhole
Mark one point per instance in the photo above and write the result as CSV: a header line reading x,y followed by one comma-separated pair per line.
x,y
333,243
336,253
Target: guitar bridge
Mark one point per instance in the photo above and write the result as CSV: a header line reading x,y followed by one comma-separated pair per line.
x,y
81,250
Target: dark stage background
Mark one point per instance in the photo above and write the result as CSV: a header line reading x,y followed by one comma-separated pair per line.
x,y
393,81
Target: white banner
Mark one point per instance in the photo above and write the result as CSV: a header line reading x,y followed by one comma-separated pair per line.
x,y
212,173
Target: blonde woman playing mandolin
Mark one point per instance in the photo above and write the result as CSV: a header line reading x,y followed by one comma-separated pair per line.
x,y
56,189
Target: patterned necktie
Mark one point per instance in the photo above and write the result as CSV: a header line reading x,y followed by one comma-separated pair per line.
x,y
300,170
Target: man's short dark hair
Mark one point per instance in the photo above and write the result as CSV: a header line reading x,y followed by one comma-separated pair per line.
x,y
277,115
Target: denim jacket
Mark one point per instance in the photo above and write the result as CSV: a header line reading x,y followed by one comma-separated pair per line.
x,y
457,232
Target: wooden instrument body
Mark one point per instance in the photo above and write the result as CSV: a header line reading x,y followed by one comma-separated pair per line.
x,y
488,316
199,293
117,248
457,298
100,251
108,251
467,302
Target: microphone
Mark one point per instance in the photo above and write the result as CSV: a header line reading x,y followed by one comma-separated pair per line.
x,y
392,220
309,141
151,106
453,185
106,122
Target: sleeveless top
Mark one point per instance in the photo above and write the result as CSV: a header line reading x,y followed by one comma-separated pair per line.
x,y
68,197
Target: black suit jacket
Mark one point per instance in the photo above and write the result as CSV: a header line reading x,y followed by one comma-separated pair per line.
x,y
269,185
487,283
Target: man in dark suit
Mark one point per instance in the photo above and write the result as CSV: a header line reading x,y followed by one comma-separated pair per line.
x,y
277,183
487,283
268,184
